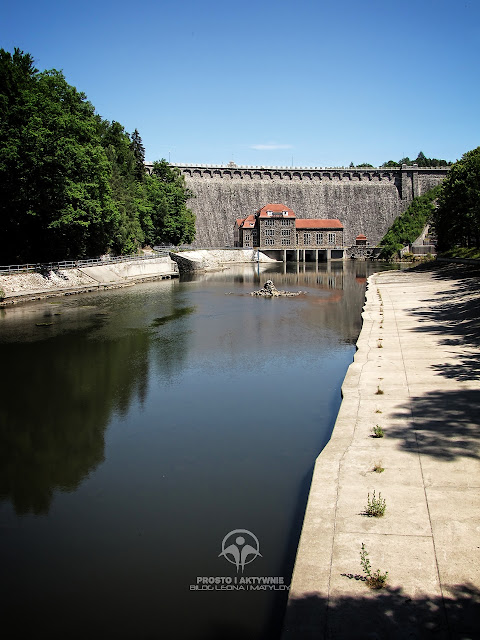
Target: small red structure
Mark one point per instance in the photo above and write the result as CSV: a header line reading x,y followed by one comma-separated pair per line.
x,y
361,240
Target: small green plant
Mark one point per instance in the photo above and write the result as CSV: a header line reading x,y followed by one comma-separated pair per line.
x,y
375,580
377,431
378,411
379,392
379,344
376,506
377,467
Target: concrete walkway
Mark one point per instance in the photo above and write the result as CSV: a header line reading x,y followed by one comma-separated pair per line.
x,y
416,374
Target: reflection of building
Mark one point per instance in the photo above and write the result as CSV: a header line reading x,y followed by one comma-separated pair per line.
x,y
275,226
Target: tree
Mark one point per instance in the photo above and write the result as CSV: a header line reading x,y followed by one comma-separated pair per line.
x,y
139,154
457,219
73,185
166,218
390,163
55,195
126,189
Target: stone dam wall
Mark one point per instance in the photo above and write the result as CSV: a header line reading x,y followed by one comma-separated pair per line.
x,y
365,200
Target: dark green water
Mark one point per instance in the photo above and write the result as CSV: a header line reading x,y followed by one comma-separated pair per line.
x,y
139,426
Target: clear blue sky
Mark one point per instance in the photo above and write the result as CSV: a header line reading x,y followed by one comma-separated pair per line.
x,y
267,82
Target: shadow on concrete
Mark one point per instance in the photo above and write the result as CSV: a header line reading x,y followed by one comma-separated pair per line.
x,y
456,319
386,615
446,424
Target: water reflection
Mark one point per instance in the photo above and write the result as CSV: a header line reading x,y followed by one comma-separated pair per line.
x,y
62,382
141,425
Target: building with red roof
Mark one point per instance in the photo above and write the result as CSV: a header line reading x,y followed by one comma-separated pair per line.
x,y
275,226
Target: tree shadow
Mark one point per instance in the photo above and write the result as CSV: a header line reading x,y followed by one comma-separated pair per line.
x,y
386,614
455,318
446,424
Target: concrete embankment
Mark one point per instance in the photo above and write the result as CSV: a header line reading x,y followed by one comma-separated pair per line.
x,y
21,287
211,259
416,374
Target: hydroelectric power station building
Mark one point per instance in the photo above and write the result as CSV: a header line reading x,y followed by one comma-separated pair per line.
x,y
276,228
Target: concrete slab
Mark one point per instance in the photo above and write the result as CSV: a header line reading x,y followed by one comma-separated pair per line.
x,y
428,368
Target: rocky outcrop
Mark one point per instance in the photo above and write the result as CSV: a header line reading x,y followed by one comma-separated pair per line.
x,y
269,290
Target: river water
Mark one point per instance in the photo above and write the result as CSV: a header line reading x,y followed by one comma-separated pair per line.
x,y
142,428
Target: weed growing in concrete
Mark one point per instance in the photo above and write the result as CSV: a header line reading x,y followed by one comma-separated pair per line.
x,y
378,432
379,343
378,467
378,411
379,392
375,580
376,506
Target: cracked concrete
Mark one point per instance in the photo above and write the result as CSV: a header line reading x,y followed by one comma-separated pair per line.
x,y
428,368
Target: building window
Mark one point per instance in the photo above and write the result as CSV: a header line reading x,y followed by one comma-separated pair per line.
x,y
331,238
285,222
307,238
296,238
285,232
269,223
269,241
269,232
285,240
319,238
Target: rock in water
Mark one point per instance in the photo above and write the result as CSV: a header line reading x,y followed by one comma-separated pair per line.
x,y
269,290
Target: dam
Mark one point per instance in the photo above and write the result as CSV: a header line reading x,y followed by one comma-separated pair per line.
x,y
365,200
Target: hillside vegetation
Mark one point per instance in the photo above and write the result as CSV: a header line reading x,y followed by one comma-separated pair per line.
x,y
408,226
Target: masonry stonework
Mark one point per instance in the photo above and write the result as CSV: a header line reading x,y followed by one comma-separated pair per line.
x,y
367,201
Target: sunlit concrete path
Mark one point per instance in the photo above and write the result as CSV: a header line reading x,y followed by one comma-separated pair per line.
x,y
416,375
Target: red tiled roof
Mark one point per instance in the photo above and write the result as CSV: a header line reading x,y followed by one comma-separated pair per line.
x,y
361,237
246,223
314,223
276,208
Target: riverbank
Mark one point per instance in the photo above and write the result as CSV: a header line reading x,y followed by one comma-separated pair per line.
x,y
416,375
33,285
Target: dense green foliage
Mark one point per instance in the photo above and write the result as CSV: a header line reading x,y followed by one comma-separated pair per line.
x,y
166,217
410,224
457,219
72,184
421,161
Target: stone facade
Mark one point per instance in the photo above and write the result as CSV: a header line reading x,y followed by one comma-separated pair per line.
x,y
275,226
